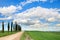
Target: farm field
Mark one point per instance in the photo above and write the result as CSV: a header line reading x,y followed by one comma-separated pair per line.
x,y
6,33
38,35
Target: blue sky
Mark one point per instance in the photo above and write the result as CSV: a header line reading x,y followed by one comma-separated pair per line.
x,y
31,13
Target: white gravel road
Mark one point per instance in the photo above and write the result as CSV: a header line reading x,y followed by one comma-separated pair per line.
x,y
15,36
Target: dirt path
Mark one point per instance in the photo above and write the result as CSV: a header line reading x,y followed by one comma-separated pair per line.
x,y
12,37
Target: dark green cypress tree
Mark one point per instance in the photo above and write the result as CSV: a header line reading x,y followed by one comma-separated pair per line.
x,y
8,26
16,26
11,26
2,26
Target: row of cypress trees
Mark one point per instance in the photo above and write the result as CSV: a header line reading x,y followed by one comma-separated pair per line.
x,y
7,26
16,27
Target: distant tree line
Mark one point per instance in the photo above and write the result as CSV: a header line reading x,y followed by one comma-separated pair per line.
x,y
15,27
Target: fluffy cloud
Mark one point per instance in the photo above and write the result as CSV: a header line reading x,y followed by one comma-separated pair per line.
x,y
30,1
51,19
9,10
58,25
26,21
33,16
8,18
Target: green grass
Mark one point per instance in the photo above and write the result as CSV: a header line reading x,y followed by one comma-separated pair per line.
x,y
6,33
37,35
23,36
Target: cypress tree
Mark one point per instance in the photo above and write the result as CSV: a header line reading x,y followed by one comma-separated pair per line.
x,y
16,26
11,26
2,26
8,26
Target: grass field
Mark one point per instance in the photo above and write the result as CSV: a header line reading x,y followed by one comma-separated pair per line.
x,y
37,35
6,33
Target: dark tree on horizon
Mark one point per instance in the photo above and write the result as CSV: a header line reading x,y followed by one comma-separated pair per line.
x,y
2,26
11,26
8,26
17,27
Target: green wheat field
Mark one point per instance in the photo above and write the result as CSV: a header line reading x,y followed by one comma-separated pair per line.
x,y
38,35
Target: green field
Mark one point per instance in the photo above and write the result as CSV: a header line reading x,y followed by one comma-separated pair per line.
x,y
37,35
6,33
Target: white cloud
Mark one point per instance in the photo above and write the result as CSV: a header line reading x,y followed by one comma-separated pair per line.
x,y
7,18
34,15
51,19
30,1
26,21
9,10
18,7
58,25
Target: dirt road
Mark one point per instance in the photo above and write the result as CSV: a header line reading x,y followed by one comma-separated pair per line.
x,y
12,37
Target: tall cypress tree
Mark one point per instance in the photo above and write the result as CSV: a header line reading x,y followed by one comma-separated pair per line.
x,y
8,26
11,26
18,27
15,26
2,26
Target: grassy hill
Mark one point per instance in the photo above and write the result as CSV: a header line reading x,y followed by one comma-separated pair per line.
x,y
6,33
37,35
